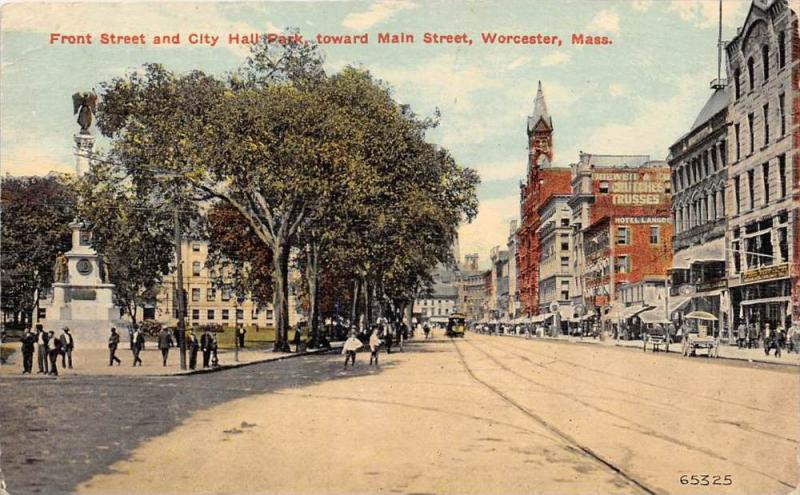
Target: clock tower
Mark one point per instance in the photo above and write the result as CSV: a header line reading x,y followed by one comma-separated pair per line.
x,y
540,134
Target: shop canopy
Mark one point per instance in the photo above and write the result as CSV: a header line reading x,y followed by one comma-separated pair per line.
x,y
701,315
654,315
634,310
709,251
678,302
615,313
541,318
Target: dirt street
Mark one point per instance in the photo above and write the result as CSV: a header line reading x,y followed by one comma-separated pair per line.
x,y
490,415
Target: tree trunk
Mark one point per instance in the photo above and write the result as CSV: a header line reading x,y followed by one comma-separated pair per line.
x,y
354,306
409,313
367,308
312,275
280,304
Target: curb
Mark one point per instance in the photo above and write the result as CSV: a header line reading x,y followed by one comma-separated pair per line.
x,y
250,363
620,346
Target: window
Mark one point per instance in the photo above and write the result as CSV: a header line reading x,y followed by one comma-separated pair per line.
x,y
751,73
41,313
782,112
225,314
623,236
196,269
782,49
565,242
603,186
565,222
737,257
766,124
254,314
195,295
655,234
564,290
211,294
765,62
239,314
269,315
623,264
713,154
765,179
667,187
782,174
737,83
565,262
210,315
704,165
751,186
723,154
195,314
226,293
737,131
750,123
737,182
783,244
195,248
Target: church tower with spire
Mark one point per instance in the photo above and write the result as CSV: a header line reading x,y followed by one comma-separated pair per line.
x,y
543,181
540,134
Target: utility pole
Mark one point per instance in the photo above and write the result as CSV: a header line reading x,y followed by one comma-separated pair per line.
x,y
179,285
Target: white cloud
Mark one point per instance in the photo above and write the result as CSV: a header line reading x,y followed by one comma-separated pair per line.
x,y
490,228
377,13
519,62
642,5
606,21
502,171
616,89
555,58
655,125
705,13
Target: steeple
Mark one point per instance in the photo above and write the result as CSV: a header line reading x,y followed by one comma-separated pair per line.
x,y
539,111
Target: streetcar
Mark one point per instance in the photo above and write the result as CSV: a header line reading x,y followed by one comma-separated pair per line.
x,y
456,325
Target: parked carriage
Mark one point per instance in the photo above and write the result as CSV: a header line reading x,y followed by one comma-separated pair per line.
x,y
697,336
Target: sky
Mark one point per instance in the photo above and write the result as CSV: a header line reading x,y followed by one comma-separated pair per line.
x,y
635,96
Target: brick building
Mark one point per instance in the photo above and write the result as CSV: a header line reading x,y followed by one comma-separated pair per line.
x,y
543,181
622,229
763,191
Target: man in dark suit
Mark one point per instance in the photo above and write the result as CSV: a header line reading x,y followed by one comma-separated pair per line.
x,y
205,344
67,345
113,343
138,345
28,346
164,343
54,352
240,331
193,346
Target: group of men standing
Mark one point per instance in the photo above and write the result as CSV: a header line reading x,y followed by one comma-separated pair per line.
x,y
749,336
47,348
166,340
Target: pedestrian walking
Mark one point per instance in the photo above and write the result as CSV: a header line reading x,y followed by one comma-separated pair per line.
x,y
205,345
164,343
427,330
113,343
138,346
767,342
240,335
741,335
298,338
42,347
193,346
351,345
388,338
67,346
374,345
28,347
54,352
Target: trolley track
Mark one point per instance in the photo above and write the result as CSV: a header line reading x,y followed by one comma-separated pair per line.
x,y
586,451
634,426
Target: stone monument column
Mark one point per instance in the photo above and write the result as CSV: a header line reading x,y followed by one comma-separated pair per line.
x,y
84,147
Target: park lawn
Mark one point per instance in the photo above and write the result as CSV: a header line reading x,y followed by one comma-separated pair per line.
x,y
261,339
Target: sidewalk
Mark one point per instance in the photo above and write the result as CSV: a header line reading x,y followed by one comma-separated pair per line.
x,y
94,362
725,351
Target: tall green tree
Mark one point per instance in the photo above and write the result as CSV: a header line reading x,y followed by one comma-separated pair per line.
x,y
36,213
132,229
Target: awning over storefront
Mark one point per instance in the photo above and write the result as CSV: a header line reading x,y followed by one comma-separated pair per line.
x,y
767,300
678,302
541,318
709,251
615,313
634,310
654,315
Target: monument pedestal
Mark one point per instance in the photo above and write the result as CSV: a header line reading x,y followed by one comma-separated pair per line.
x,y
81,298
